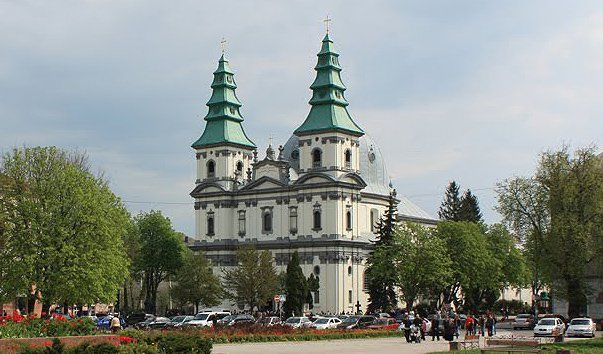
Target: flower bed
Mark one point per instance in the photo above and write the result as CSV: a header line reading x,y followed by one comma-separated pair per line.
x,y
14,345
18,326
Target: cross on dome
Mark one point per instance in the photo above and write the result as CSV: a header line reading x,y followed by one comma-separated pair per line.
x,y
326,21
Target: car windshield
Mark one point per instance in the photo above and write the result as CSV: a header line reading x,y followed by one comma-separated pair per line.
x,y
293,320
178,319
228,318
322,321
201,316
580,322
351,320
523,316
547,322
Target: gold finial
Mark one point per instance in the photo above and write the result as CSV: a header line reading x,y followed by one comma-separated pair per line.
x,y
223,45
326,21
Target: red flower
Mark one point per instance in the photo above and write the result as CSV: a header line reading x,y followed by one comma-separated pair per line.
x,y
126,340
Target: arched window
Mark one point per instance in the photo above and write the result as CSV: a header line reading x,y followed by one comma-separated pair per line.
x,y
317,220
374,218
349,270
240,166
267,221
316,270
210,223
348,158
316,158
211,169
348,219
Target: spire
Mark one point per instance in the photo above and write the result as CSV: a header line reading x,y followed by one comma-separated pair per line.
x,y
223,117
329,106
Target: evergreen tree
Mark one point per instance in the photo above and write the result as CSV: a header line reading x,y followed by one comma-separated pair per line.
x,y
380,275
295,288
469,208
451,206
313,284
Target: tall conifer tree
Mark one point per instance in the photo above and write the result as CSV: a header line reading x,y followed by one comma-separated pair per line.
x,y
469,209
451,206
295,288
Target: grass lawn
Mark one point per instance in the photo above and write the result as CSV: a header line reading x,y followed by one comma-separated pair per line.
x,y
587,346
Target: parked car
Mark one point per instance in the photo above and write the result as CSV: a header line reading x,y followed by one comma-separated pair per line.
x,y
138,317
241,319
356,322
203,319
159,322
269,321
343,317
326,323
384,323
581,327
523,321
298,322
145,324
549,327
179,321
226,319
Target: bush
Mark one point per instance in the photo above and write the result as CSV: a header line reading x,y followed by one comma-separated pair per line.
x,y
30,327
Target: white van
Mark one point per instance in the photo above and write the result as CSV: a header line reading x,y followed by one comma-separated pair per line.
x,y
207,318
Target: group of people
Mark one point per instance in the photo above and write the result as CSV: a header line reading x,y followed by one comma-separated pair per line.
x,y
449,325
480,325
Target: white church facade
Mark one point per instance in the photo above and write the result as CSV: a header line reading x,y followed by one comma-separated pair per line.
x,y
319,194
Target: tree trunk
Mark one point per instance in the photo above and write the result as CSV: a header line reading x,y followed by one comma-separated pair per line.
x,y
576,299
125,305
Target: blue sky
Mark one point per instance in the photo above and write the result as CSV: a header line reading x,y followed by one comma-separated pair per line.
x,y
465,90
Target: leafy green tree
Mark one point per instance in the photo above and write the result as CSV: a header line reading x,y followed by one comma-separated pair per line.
x,y
132,247
560,215
522,202
469,208
296,288
63,228
161,254
472,260
421,263
253,281
379,274
196,283
451,206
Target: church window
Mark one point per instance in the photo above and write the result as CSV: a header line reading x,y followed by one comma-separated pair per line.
x,y
337,94
316,270
229,79
316,219
348,218
373,219
295,154
350,296
240,166
210,223
293,220
317,297
350,270
267,220
316,158
241,222
348,158
211,169
232,110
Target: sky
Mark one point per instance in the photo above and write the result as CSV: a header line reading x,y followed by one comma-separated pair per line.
x,y
471,91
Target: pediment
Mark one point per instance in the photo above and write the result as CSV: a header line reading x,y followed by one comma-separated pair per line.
x,y
353,178
207,187
264,183
315,178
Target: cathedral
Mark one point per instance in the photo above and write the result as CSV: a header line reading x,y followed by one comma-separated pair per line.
x,y
320,194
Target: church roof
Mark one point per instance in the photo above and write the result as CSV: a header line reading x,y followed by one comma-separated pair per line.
x,y
329,106
223,119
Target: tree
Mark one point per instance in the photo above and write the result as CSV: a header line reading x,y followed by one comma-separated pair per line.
x,y
132,247
63,228
313,285
296,288
421,263
379,274
469,208
196,283
253,281
472,261
559,214
160,254
522,204
451,206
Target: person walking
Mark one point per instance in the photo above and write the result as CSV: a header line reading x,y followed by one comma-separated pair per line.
x,y
482,325
490,325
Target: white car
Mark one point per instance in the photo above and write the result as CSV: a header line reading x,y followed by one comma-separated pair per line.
x,y
549,327
581,327
326,323
203,319
298,322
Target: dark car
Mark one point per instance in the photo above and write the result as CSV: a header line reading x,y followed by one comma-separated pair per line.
x,y
137,317
353,322
145,324
179,321
160,322
241,319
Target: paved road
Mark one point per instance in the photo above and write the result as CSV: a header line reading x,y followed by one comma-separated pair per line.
x,y
350,346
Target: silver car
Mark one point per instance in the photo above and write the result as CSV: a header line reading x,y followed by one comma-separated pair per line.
x,y
581,327
552,327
